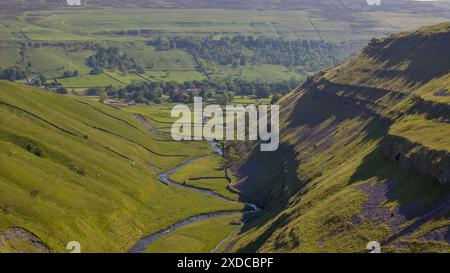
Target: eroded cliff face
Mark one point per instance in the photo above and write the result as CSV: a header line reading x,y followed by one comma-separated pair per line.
x,y
364,155
414,157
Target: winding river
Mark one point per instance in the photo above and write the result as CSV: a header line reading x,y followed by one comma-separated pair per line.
x,y
164,177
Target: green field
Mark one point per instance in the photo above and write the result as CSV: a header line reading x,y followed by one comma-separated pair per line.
x,y
260,72
157,113
178,76
286,23
44,60
244,100
9,55
206,173
198,237
173,21
84,81
110,27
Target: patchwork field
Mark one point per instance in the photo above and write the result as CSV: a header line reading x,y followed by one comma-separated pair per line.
x,y
186,21
129,29
286,23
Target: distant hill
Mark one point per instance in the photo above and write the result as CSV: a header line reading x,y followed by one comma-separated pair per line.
x,y
331,7
364,156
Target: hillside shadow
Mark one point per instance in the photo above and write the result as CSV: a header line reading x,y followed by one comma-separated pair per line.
x,y
431,111
271,179
263,168
314,107
427,56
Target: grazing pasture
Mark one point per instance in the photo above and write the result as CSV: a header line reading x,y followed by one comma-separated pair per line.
x,y
198,237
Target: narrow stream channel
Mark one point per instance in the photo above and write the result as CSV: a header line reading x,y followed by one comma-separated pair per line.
x,y
164,177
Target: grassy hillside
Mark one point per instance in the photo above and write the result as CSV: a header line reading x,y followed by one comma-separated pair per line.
x,y
364,155
76,170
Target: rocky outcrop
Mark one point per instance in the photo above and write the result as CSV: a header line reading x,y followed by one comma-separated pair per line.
x,y
20,240
423,160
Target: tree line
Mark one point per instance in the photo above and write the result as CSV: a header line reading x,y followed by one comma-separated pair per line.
x,y
13,73
242,50
110,58
223,91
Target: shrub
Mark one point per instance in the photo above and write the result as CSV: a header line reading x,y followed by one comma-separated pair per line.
x,y
61,90
79,170
34,149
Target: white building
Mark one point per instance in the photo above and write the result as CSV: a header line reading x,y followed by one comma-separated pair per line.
x,y
74,2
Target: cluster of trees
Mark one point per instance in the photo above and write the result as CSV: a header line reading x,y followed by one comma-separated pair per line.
x,y
240,87
132,32
96,71
39,80
61,90
110,58
13,74
209,88
17,73
138,91
223,92
240,50
182,97
187,96
70,74
71,46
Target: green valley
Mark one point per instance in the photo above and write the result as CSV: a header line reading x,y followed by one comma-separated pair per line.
x,y
65,158
87,155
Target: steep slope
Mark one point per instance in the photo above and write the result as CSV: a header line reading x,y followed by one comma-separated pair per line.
x,y
364,155
77,170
